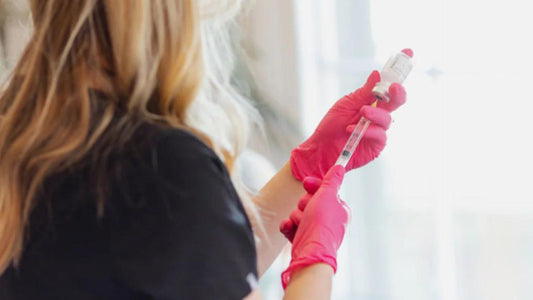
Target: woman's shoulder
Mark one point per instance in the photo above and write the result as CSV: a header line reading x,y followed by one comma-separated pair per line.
x,y
181,177
170,140
172,162
171,150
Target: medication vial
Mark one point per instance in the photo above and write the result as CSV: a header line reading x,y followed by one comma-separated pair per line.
x,y
395,70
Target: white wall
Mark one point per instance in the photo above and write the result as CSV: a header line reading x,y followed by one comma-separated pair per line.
x,y
270,42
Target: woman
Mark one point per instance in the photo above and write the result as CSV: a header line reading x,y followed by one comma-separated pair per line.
x,y
114,176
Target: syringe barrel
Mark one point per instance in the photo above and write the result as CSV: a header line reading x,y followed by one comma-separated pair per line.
x,y
352,142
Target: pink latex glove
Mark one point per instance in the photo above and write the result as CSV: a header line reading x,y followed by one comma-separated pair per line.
x,y
320,151
321,225
288,226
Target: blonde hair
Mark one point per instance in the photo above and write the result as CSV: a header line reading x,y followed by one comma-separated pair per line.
x,y
166,67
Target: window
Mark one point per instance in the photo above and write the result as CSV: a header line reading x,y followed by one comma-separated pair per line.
x,y
446,212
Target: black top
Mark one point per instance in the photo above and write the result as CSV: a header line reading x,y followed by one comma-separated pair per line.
x,y
173,228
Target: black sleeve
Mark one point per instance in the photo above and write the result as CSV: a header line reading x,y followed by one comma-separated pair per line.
x,y
193,239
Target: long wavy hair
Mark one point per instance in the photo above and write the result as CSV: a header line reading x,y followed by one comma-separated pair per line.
x,y
159,61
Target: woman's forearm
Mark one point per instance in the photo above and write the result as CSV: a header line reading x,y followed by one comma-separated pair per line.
x,y
313,282
275,201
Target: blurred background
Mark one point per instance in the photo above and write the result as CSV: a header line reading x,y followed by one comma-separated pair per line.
x,y
446,212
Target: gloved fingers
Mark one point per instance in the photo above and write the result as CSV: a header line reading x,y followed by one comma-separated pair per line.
x,y
397,97
371,81
364,96
296,216
377,115
376,134
311,184
288,229
285,225
347,209
334,177
303,202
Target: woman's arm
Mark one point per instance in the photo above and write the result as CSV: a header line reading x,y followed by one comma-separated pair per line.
x,y
313,282
275,201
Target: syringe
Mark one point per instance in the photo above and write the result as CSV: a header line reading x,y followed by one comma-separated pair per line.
x,y
395,70
353,141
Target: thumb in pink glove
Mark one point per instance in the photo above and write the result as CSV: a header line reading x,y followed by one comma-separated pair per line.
x,y
321,227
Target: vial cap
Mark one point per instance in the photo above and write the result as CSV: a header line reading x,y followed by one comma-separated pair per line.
x,y
381,91
408,52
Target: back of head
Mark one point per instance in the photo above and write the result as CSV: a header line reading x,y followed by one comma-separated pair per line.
x,y
90,73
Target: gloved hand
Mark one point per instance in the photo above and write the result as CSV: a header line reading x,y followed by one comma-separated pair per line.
x,y
321,225
318,153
